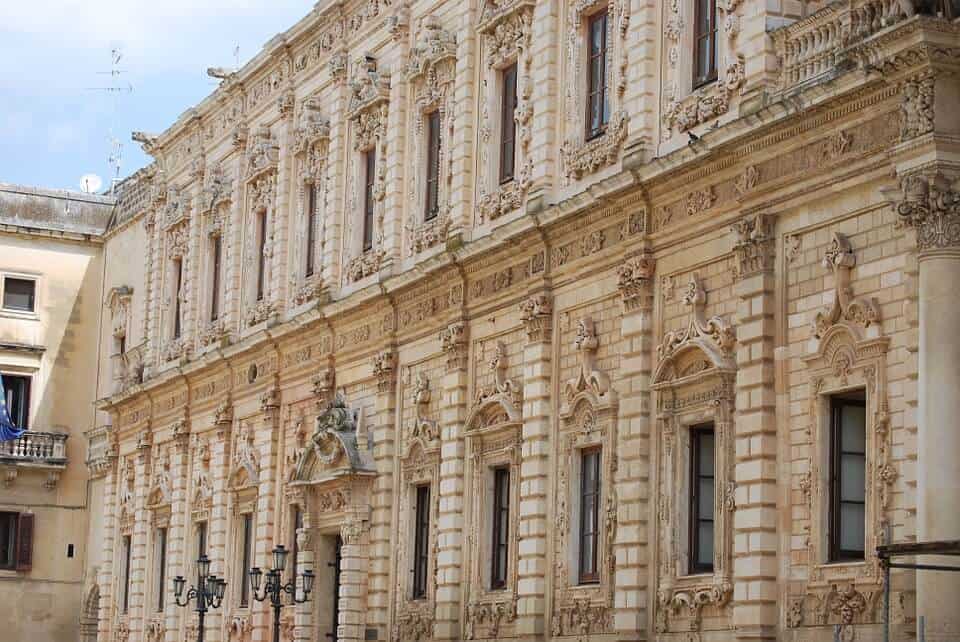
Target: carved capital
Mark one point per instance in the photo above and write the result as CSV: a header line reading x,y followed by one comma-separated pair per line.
x,y
453,342
930,204
754,245
635,281
385,369
537,315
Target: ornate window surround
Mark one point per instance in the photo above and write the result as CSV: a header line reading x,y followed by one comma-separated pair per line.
x,y
581,157
846,352
216,202
177,248
694,384
683,106
493,430
311,147
588,419
262,162
506,29
368,112
430,72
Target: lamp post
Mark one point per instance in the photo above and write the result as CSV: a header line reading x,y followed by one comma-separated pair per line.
x,y
275,588
208,592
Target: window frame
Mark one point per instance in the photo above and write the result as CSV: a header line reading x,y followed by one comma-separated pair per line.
x,y
434,128
24,408
835,552
702,77
509,102
588,571
19,276
261,232
500,529
177,285
369,183
309,266
421,541
161,561
216,265
597,89
126,546
694,518
246,535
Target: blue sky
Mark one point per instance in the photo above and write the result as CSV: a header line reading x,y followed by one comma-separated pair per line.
x,y
53,129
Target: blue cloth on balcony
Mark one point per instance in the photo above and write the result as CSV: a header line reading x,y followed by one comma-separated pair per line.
x,y
8,432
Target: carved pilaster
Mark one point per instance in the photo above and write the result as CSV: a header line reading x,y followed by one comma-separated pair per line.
x,y
635,282
537,315
754,244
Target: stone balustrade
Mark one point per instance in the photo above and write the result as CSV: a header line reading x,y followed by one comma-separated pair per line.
x,y
45,448
814,47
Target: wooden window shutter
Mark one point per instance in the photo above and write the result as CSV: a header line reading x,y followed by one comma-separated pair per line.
x,y
25,542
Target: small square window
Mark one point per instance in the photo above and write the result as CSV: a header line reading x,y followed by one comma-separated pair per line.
x,y
19,294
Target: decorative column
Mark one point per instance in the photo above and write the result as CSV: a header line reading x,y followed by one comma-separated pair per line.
x,y
930,203
107,581
381,535
453,411
265,444
354,561
303,613
178,546
280,273
755,613
537,315
217,528
138,541
635,279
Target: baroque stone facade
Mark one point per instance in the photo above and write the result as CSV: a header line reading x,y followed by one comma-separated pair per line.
x,y
388,378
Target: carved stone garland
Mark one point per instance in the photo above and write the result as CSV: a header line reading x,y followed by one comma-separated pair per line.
x,y
493,440
685,109
261,178
367,111
588,414
843,355
694,381
580,156
430,72
505,29
311,147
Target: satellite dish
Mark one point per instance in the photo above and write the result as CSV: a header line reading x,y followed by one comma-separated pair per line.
x,y
90,183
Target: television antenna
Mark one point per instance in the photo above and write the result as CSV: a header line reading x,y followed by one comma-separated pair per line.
x,y
116,88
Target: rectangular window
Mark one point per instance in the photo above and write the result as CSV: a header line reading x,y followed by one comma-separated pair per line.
x,y
421,542
701,498
16,394
296,524
501,527
201,539
215,277
848,463
311,229
335,593
705,42
125,589
433,165
8,541
598,108
589,515
247,547
19,294
369,179
177,285
261,254
508,124
161,566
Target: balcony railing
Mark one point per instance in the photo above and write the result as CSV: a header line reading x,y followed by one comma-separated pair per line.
x,y
814,47
44,448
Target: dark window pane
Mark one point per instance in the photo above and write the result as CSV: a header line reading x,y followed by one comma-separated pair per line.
x,y
247,547
261,254
311,213
8,537
421,546
19,294
508,125
598,112
705,544
589,514
701,499
16,394
705,42
215,278
501,521
161,567
847,477
852,531
370,161
433,164
177,287
126,573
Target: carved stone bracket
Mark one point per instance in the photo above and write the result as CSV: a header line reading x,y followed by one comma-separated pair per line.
x,y
754,245
580,158
635,280
364,265
384,369
453,342
864,312
537,315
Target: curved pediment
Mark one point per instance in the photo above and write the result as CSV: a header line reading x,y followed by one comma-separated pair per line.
x,y
333,447
245,475
496,410
840,346
698,357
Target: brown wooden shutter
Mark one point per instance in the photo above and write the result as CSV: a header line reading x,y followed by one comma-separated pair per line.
x,y
25,542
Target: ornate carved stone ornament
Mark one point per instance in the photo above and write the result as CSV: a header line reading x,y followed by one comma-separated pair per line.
x,y
453,342
147,141
370,86
333,445
581,156
746,181
263,154
489,617
385,369
861,312
501,402
423,427
844,605
929,202
155,629
313,130
239,627
413,625
324,383
505,29
714,337
537,316
217,189
916,106
364,265
259,312
588,415
754,244
161,488
246,459
635,280
689,604
223,414
118,301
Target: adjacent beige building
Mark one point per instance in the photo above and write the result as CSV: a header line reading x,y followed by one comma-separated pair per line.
x,y
538,320
51,268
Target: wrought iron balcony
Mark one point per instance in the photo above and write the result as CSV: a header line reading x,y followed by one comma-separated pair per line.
x,y
44,449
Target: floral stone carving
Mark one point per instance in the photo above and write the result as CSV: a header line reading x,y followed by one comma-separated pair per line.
x,y
841,259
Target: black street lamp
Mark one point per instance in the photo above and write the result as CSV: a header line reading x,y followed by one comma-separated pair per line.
x,y
274,588
208,592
